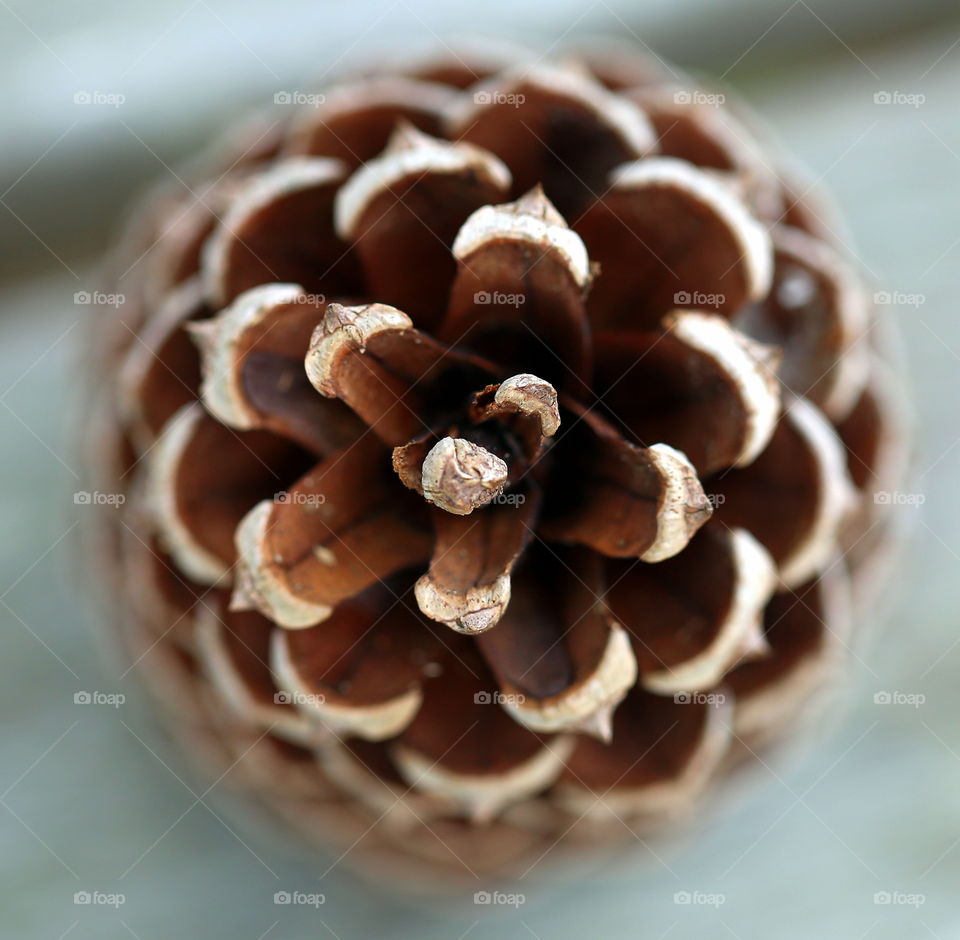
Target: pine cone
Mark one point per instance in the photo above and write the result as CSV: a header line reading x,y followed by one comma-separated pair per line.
x,y
498,440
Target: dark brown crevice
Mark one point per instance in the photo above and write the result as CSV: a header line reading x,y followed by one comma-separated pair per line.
x,y
163,363
674,610
862,433
659,248
776,497
362,134
794,625
654,738
553,141
224,473
374,647
289,240
657,389
404,238
556,629
461,726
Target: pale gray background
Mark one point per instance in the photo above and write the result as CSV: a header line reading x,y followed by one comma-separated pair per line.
x,y
86,799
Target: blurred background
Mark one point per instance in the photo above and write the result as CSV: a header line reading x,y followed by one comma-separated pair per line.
x,y
857,838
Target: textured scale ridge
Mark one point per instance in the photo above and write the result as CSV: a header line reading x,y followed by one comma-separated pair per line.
x,y
498,440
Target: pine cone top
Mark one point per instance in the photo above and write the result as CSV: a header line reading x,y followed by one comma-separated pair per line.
x,y
555,361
